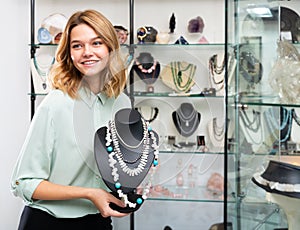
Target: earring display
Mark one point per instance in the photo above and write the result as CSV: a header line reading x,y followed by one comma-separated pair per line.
x,y
126,152
186,119
147,69
179,76
40,67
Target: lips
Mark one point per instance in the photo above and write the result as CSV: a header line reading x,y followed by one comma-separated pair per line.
x,y
89,62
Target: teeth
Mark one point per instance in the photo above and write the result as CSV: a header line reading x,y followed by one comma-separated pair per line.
x,y
89,62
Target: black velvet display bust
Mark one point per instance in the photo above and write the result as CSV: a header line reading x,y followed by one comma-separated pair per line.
x,y
129,125
285,175
146,68
186,119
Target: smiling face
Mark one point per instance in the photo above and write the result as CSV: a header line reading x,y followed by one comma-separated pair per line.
x,y
89,53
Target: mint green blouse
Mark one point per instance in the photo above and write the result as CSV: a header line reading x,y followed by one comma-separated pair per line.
x,y
59,148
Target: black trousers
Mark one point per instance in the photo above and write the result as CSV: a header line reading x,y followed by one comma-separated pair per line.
x,y
35,219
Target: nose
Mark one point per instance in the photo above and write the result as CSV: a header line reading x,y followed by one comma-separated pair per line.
x,y
88,51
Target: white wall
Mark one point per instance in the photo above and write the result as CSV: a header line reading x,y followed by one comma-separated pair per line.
x,y
14,101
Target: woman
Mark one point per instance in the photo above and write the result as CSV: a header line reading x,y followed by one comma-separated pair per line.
x,y
56,174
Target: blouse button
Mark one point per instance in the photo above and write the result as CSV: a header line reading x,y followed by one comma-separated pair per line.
x,y
17,182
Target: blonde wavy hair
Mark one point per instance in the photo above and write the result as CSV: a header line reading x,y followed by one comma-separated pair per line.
x,y
66,77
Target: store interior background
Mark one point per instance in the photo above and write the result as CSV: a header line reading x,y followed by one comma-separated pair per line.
x,y
14,98
15,88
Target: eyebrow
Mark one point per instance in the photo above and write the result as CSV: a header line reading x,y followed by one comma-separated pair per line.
x,y
92,39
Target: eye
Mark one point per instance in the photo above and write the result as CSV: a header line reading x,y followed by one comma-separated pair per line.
x,y
76,46
97,43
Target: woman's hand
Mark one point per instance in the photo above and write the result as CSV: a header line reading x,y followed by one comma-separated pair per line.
x,y
102,199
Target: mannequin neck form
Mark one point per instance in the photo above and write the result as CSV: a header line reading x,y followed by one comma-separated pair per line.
x,y
290,206
129,126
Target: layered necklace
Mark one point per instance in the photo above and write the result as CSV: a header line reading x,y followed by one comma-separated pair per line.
x,y
217,72
42,70
216,132
252,126
183,74
113,140
285,123
186,123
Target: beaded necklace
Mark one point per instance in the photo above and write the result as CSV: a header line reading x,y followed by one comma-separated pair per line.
x,y
178,71
116,156
144,70
217,70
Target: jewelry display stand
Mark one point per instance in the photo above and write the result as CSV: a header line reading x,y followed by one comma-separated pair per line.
x,y
186,120
147,69
40,67
124,156
179,76
216,132
217,72
281,181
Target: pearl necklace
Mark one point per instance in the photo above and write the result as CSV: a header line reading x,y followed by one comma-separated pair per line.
x,y
113,149
143,70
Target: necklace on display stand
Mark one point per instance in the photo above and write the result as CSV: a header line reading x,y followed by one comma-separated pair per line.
x,y
118,160
285,126
251,127
186,119
183,74
216,132
147,69
40,70
149,113
217,73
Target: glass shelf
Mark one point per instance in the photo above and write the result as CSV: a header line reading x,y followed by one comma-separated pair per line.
x,y
171,94
179,151
187,194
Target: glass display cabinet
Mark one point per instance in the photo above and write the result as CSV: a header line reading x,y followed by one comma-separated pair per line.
x,y
218,80
262,108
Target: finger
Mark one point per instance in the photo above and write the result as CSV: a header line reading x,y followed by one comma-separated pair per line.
x,y
118,202
119,214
